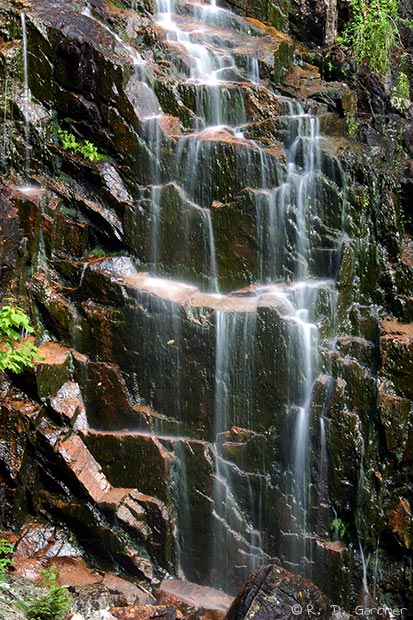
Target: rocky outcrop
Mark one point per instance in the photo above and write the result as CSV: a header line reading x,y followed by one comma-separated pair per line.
x,y
117,431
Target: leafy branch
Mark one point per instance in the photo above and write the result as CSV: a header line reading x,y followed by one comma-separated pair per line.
x,y
85,148
372,33
15,353
6,550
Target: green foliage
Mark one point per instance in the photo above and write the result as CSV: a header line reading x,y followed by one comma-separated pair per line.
x,y
352,125
6,550
400,97
52,606
68,211
48,577
117,5
402,86
97,252
15,354
372,32
339,528
85,148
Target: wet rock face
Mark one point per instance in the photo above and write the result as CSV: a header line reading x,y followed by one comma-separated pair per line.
x,y
313,21
310,21
118,430
11,237
272,593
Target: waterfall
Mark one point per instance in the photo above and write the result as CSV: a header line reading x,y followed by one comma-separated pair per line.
x,y
26,97
365,592
179,480
234,369
218,108
198,172
232,525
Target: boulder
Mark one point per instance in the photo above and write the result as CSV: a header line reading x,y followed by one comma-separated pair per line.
x,y
272,593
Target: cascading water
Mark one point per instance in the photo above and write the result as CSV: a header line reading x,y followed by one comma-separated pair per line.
x,y
234,396
218,109
26,97
284,246
287,286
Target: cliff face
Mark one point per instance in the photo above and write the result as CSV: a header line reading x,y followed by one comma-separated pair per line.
x,y
163,425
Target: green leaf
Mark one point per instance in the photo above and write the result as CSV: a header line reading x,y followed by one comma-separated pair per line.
x,y
15,353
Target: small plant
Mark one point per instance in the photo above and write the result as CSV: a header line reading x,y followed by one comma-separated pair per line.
x,y
15,354
339,528
88,150
372,33
97,253
402,86
85,148
352,125
6,550
68,211
401,92
52,606
48,577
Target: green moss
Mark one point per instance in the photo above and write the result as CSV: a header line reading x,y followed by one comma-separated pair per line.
x,y
68,211
283,58
97,252
278,15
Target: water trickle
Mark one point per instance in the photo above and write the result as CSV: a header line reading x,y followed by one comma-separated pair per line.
x,y
137,60
26,97
234,369
364,593
5,136
180,493
286,198
232,529
284,212
323,467
232,526
254,70
376,573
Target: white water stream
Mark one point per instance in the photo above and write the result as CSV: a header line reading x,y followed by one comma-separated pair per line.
x,y
286,204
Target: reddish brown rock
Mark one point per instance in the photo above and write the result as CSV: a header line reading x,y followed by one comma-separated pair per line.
x,y
395,414
30,568
305,82
88,472
401,522
184,595
10,237
91,602
74,571
407,250
124,455
53,370
144,612
396,348
68,403
27,200
134,594
58,313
